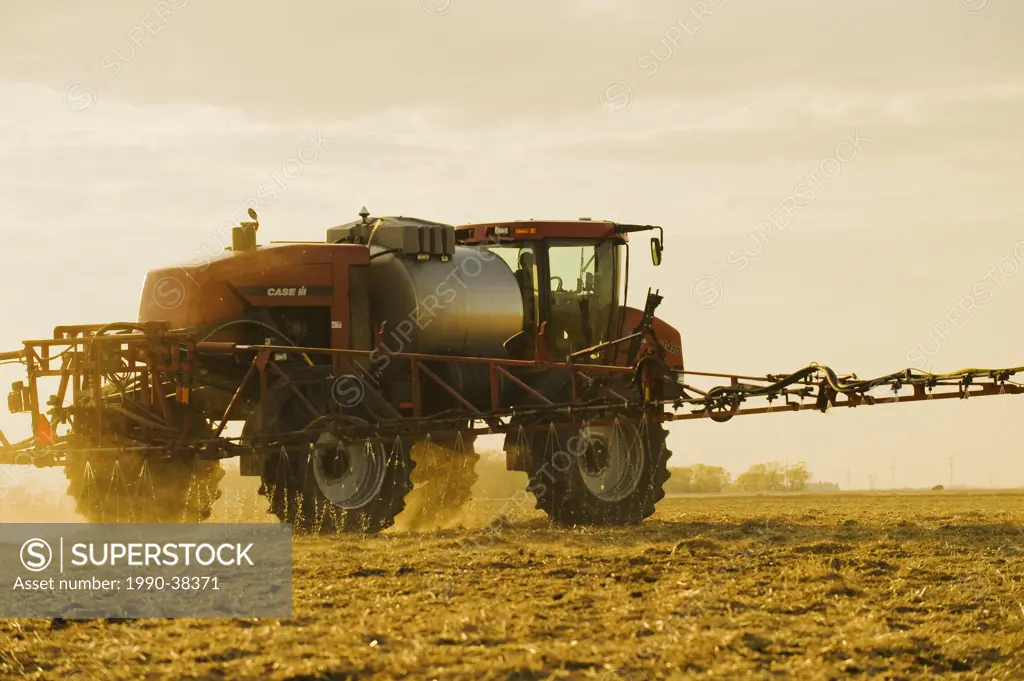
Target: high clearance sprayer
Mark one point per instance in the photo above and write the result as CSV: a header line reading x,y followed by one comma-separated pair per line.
x,y
397,340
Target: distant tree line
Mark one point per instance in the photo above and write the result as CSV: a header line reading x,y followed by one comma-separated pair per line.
x,y
762,477
496,482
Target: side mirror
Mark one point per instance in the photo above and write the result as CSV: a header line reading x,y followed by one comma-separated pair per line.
x,y
656,249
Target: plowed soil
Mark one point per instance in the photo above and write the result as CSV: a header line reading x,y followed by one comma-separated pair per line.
x,y
842,586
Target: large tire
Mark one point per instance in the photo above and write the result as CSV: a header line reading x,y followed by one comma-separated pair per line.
x,y
442,480
129,488
611,474
325,481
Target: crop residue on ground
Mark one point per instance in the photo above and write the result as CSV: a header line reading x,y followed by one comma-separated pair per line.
x,y
830,586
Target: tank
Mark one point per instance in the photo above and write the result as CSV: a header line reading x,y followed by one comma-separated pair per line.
x,y
436,297
466,303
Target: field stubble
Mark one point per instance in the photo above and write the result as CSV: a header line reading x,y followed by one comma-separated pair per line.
x,y
814,586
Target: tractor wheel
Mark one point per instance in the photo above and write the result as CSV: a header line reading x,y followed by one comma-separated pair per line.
x,y
442,481
130,488
332,483
322,480
609,474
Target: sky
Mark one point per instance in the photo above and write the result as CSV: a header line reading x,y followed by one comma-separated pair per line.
x,y
838,182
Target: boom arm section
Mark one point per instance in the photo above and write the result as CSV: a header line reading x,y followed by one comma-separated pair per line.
x,y
134,387
827,389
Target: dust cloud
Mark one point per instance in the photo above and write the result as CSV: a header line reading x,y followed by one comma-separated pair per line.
x,y
29,494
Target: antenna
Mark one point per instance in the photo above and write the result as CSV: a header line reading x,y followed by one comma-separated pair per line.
x,y
892,473
951,471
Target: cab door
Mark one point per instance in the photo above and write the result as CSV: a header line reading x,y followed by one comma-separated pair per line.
x,y
579,279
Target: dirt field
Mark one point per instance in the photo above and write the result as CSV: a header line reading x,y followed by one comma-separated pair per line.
x,y
845,586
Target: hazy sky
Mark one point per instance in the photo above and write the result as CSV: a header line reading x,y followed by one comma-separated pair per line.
x,y
132,132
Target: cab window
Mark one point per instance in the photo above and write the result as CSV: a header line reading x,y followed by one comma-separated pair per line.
x,y
582,293
522,260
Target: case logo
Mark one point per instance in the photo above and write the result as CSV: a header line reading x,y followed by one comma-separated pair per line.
x,y
277,292
265,291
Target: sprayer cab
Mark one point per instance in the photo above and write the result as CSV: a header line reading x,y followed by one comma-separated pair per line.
x,y
573,277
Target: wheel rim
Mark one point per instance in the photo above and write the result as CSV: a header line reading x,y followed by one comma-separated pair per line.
x,y
612,461
350,474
